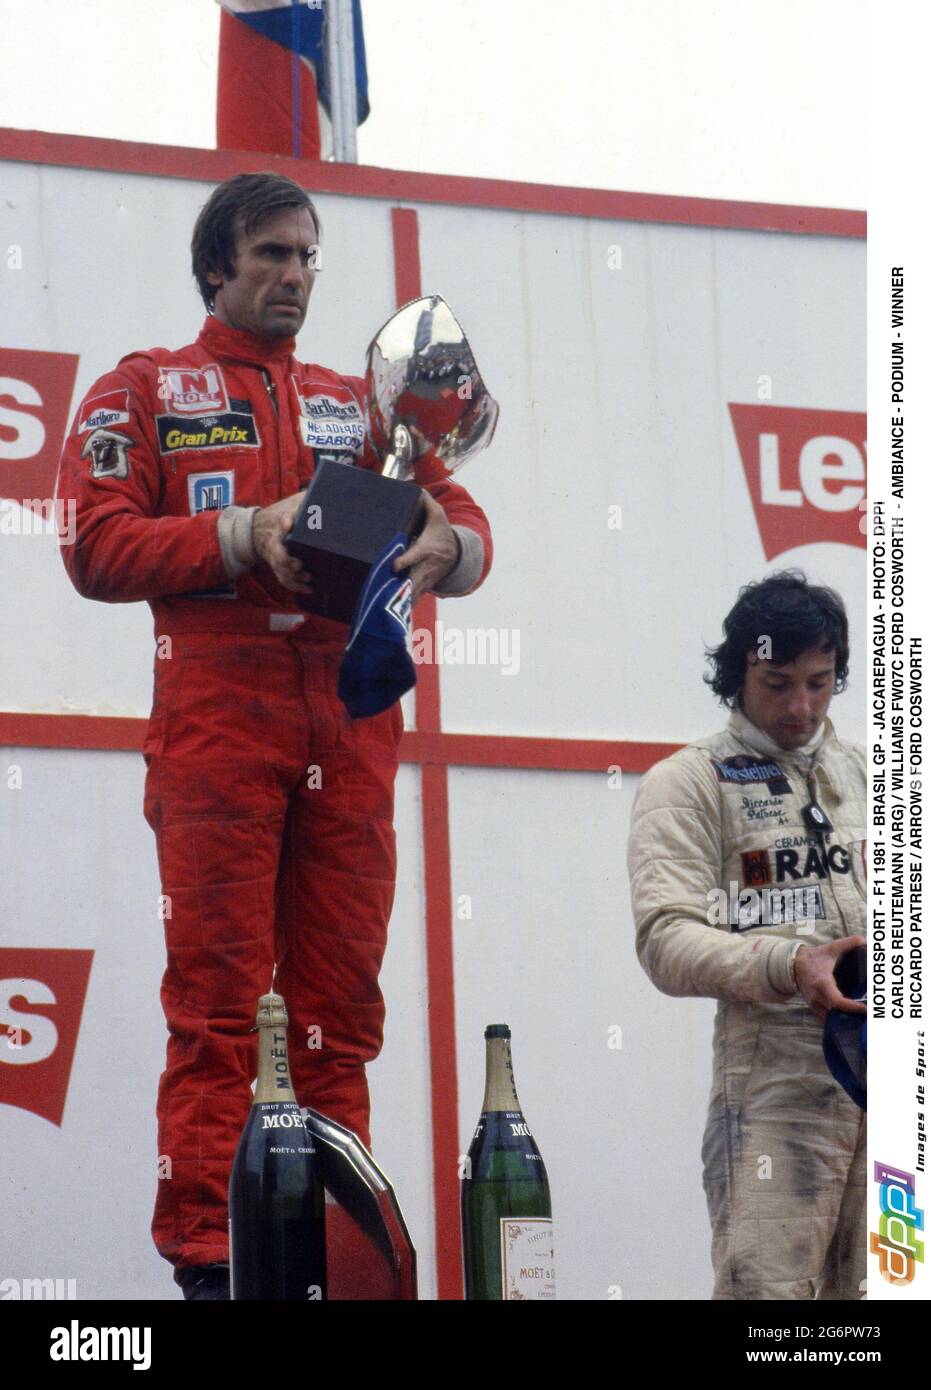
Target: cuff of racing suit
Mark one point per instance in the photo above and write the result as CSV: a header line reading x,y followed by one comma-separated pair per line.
x,y
465,573
780,966
234,529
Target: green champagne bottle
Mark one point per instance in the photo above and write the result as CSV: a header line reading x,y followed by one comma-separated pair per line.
x,y
507,1227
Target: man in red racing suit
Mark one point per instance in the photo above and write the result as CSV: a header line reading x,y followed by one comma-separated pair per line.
x,y
272,809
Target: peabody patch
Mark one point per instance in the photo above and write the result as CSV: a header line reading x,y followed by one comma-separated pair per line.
x,y
329,424
742,769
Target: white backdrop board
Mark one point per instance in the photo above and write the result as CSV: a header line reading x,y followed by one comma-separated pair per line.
x,y
625,520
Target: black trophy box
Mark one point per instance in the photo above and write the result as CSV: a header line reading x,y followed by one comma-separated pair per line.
x,y
347,517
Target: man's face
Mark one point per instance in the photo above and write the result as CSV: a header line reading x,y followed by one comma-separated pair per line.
x,y
789,702
274,276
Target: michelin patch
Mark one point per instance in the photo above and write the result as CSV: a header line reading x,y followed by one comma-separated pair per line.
x,y
741,769
105,411
109,453
329,424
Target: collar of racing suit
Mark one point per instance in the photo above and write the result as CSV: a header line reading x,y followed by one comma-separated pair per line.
x,y
221,340
809,759
741,727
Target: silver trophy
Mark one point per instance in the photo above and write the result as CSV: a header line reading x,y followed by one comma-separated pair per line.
x,y
428,412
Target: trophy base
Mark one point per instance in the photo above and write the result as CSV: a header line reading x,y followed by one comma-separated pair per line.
x,y
347,517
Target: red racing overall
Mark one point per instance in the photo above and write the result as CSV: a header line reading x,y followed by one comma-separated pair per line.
x,y
272,809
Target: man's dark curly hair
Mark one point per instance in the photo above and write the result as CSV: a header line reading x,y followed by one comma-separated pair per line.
x,y
239,204
796,617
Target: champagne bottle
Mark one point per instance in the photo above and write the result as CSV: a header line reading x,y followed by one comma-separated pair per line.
x,y
276,1201
507,1228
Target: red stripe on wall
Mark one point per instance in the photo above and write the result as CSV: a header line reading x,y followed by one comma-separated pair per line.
x,y
438,912
211,166
426,745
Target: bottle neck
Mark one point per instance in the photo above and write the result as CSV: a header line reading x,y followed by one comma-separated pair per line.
x,y
274,1080
500,1091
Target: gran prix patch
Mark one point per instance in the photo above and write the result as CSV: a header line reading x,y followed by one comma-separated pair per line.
x,y
327,423
193,390
776,907
234,430
108,451
102,412
741,769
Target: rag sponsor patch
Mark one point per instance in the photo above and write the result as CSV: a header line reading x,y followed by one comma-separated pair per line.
x,y
102,412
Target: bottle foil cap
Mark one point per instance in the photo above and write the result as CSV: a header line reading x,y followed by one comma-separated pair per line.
x,y
497,1030
272,1012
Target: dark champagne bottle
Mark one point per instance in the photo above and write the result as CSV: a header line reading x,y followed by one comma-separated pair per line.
x,y
277,1233
507,1228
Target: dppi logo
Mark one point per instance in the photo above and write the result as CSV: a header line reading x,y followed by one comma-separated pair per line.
x,y
895,1243
806,472
41,1001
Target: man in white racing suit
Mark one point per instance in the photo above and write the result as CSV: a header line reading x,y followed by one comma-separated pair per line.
x,y
743,890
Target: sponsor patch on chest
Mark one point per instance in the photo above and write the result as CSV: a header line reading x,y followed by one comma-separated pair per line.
x,y
235,429
328,423
742,770
211,492
193,390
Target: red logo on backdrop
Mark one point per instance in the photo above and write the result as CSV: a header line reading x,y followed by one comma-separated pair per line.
x,y
41,999
806,471
35,397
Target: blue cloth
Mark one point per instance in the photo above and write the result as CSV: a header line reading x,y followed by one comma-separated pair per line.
x,y
378,666
844,1040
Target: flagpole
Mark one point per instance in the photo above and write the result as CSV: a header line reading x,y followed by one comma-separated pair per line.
x,y
341,73
295,79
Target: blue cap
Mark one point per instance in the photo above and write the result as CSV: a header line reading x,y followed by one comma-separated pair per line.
x,y
378,665
844,1040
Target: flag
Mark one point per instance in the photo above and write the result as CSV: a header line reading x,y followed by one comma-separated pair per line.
x,y
272,87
